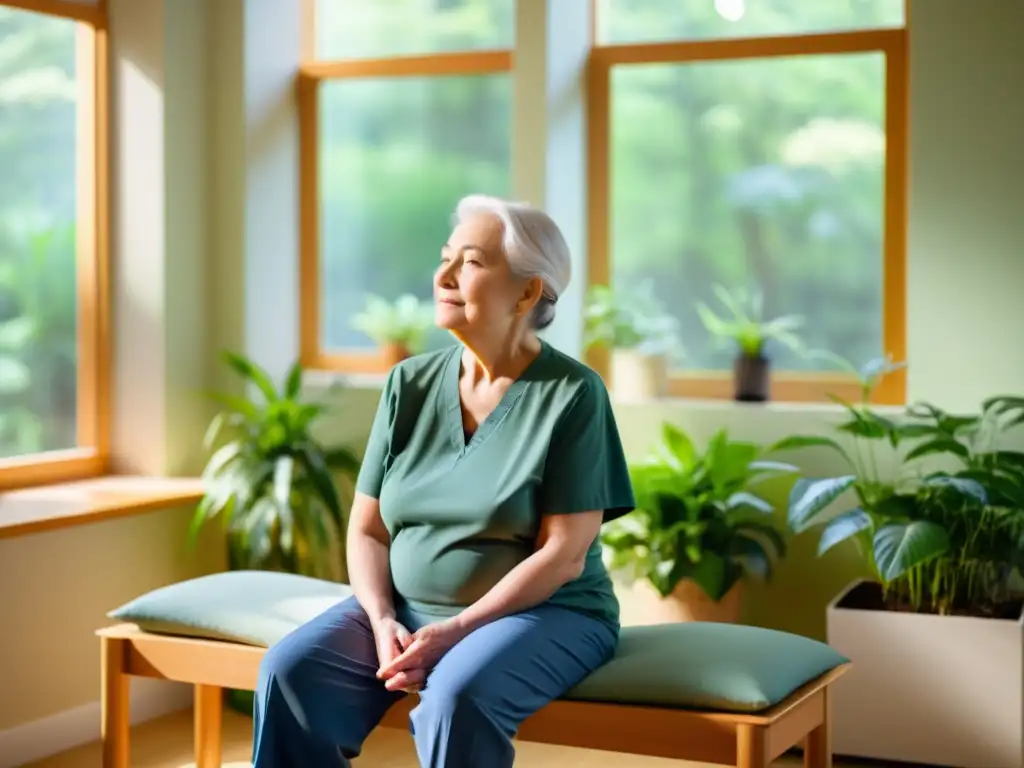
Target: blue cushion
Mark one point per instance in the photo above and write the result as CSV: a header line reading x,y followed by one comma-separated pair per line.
x,y
722,667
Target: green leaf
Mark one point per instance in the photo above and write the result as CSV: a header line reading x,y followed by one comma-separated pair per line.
x,y
223,458
764,465
710,575
939,445
965,486
319,475
842,527
900,547
794,442
250,371
752,557
809,498
237,404
293,382
283,472
679,445
765,533
743,499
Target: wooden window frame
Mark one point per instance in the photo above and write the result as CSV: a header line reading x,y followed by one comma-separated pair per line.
x,y
792,387
92,456
313,74
786,386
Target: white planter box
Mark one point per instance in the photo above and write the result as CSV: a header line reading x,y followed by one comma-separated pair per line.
x,y
942,690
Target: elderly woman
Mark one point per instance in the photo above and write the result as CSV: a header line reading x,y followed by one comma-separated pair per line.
x,y
473,539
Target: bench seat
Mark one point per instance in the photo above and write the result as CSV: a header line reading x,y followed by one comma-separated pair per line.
x,y
718,693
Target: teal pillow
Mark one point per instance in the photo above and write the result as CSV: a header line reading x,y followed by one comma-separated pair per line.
x,y
252,607
723,667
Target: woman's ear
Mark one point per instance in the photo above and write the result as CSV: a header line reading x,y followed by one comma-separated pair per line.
x,y
532,292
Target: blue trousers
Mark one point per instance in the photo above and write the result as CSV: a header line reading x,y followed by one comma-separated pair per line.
x,y
318,696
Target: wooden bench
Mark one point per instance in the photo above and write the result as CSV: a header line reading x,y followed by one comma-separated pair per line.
x,y
742,740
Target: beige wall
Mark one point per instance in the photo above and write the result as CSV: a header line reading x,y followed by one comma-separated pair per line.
x,y
193,173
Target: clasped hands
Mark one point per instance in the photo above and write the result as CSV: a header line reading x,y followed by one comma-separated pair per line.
x,y
406,658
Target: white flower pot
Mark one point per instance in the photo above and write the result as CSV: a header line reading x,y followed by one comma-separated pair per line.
x,y
638,377
940,690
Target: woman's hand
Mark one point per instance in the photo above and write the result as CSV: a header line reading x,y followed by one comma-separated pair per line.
x,y
392,639
428,645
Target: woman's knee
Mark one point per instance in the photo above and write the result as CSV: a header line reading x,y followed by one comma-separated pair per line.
x,y
448,700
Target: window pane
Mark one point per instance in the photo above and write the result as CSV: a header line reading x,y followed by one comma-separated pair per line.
x,y
761,173
38,294
634,21
381,28
396,155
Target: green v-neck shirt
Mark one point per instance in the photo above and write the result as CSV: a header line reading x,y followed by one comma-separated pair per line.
x,y
463,513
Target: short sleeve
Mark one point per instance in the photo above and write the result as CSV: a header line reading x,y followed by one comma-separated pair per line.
x,y
378,446
586,467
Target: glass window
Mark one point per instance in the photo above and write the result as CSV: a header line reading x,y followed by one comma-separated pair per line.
x,y
396,154
383,28
39,108
635,21
759,174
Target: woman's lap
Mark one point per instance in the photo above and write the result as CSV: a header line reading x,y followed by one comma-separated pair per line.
x,y
510,667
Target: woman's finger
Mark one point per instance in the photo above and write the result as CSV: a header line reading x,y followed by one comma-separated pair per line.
x,y
407,659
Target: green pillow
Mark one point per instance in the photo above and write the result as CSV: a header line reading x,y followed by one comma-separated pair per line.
x,y
724,667
252,607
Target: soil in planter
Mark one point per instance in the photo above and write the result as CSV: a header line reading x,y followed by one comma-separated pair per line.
x,y
869,596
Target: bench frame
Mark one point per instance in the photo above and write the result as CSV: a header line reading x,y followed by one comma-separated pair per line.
x,y
742,740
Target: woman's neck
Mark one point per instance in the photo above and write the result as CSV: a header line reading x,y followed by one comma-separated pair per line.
x,y
493,358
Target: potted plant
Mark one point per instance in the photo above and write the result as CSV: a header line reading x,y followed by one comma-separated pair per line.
x,y
641,337
398,328
936,633
750,333
697,531
271,481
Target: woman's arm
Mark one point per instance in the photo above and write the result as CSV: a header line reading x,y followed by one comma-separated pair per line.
x,y
369,572
559,557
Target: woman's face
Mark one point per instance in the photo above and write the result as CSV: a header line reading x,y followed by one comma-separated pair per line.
x,y
474,287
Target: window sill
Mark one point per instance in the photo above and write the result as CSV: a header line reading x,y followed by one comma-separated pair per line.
x,y
62,505
317,382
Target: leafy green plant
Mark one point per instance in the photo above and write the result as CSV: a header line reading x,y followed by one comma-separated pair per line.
x,y
270,480
405,322
745,326
696,516
947,539
618,319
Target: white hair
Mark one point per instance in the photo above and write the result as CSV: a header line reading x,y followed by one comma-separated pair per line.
x,y
533,245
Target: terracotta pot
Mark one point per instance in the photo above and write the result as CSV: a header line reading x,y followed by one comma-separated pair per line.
x,y
640,604
394,353
752,379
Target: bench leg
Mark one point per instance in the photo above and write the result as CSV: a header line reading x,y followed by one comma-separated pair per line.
x,y
751,746
818,746
115,710
208,715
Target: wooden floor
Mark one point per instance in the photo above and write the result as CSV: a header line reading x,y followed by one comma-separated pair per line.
x,y
167,743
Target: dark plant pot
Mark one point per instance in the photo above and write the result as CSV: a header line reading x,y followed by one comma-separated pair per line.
x,y
752,379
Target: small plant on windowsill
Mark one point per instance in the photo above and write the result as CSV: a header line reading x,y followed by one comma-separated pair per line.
x,y
271,481
399,328
641,337
698,530
747,330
